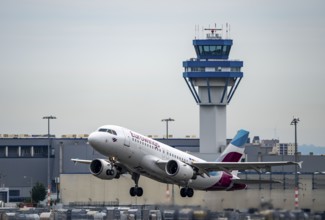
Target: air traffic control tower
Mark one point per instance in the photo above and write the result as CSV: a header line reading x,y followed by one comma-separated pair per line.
x,y
212,80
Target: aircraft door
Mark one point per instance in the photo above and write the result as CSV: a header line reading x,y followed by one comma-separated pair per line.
x,y
164,155
127,138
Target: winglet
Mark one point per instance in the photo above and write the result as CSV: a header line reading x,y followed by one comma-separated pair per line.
x,y
300,164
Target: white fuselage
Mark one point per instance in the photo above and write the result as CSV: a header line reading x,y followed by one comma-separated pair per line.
x,y
140,154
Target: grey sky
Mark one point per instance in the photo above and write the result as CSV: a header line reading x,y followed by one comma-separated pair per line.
x,y
120,62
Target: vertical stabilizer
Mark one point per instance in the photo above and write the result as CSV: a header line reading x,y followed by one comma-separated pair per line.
x,y
235,150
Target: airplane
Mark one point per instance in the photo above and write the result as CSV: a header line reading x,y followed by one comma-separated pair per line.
x,y
130,152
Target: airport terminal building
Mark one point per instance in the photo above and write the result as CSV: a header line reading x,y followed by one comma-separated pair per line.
x,y
24,161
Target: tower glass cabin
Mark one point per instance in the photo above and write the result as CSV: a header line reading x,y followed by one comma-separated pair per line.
x,y
212,80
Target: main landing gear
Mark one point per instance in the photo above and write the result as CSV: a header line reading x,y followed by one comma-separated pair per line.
x,y
189,192
136,191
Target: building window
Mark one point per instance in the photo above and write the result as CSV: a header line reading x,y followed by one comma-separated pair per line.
x,y
25,151
14,192
198,69
40,151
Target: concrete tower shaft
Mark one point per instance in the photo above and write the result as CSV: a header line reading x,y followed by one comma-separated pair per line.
x,y
212,80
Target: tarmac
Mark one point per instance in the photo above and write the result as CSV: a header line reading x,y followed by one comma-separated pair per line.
x,y
152,212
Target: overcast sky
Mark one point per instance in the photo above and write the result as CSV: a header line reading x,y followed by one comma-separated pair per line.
x,y
99,62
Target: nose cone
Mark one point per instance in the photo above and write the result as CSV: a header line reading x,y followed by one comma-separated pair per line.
x,y
93,139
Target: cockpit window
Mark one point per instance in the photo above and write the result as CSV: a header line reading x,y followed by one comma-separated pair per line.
x,y
107,130
111,131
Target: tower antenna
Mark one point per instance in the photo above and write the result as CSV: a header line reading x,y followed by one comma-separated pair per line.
x,y
213,33
227,36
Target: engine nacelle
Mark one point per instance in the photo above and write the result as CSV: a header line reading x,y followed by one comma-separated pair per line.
x,y
103,169
179,170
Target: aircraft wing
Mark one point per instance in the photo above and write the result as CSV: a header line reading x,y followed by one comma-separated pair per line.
x,y
81,161
205,167
123,168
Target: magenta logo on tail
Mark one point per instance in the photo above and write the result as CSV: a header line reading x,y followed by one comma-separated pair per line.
x,y
232,157
235,149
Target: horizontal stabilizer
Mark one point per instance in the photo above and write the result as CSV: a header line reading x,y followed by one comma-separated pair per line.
x,y
245,181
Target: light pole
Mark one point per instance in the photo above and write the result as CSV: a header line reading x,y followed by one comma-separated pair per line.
x,y
295,122
48,158
168,120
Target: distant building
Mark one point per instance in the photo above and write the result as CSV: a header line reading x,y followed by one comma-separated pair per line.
x,y
269,143
284,149
256,140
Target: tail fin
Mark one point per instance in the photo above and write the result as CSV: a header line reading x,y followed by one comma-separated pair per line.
x,y
235,150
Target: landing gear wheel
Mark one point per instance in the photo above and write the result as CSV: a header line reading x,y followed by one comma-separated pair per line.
x,y
136,191
139,191
132,191
109,172
183,192
189,192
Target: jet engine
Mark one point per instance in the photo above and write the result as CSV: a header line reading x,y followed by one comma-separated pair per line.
x,y
103,169
179,170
